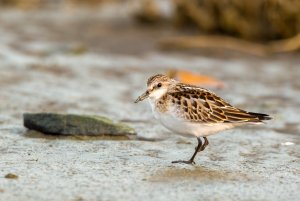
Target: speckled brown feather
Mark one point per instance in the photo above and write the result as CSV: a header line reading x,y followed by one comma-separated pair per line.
x,y
196,104
163,104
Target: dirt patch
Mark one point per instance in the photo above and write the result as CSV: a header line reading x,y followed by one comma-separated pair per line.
x,y
11,78
289,128
198,173
55,70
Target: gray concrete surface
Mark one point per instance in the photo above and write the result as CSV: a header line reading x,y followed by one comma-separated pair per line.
x,y
78,63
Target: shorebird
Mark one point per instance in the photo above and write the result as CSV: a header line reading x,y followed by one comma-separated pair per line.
x,y
194,111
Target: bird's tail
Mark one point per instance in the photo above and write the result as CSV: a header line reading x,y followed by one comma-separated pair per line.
x,y
260,116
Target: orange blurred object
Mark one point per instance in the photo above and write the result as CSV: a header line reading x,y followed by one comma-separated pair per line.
x,y
194,79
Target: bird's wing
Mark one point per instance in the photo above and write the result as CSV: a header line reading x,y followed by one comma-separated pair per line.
x,y
199,105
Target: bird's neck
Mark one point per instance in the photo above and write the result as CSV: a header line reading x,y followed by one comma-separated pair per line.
x,y
156,95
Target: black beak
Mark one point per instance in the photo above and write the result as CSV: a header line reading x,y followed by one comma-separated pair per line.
x,y
142,97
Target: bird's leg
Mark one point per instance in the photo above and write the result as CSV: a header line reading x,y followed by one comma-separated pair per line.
x,y
191,161
205,144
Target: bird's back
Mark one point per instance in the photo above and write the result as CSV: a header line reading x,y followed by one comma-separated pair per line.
x,y
198,105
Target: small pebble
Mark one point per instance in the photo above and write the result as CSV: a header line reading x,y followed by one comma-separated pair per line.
x,y
287,143
11,176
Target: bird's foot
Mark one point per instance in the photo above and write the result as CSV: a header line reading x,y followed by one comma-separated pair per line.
x,y
190,162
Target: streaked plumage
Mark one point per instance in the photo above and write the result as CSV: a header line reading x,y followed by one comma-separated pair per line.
x,y
193,111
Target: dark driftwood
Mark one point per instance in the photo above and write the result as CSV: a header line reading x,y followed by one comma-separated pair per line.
x,y
230,43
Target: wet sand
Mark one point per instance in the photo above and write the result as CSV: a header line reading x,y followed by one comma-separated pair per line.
x,y
83,64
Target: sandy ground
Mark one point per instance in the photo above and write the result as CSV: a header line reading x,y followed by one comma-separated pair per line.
x,y
79,63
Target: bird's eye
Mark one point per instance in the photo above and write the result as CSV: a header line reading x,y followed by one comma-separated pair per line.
x,y
159,85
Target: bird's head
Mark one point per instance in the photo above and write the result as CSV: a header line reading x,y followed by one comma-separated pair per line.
x,y
157,86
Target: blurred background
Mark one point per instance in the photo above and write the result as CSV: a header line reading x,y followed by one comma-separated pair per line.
x,y
95,56
63,45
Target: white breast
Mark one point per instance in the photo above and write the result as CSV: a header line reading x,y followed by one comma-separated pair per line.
x,y
185,128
